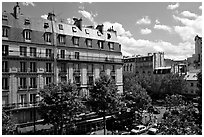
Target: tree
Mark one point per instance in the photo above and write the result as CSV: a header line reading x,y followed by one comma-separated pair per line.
x,y
199,93
104,97
8,123
60,105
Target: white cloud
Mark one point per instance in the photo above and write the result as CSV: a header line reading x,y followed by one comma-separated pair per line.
x,y
188,14
162,27
44,16
145,31
89,16
200,7
28,3
171,6
144,20
189,28
157,21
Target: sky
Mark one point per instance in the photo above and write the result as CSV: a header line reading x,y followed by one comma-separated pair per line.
x,y
142,27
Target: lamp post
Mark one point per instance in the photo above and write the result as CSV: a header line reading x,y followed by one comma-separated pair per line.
x,y
34,119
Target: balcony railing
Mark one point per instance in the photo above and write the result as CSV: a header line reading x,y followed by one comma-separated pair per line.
x,y
33,86
22,87
20,105
77,72
92,59
112,73
90,73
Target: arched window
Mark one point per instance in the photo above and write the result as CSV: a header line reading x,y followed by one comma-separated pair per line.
x,y
131,67
127,67
124,68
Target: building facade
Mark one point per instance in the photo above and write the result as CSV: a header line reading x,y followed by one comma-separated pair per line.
x,y
144,65
37,52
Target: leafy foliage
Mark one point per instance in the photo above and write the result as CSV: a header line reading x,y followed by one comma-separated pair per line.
x,y
8,123
60,104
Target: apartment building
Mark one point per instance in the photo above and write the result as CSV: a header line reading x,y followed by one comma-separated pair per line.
x,y
37,52
144,65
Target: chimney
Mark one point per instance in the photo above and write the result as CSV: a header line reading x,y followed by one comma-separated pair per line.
x,y
51,16
78,23
16,10
100,28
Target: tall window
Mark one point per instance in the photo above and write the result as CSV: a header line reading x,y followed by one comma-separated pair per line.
x,y
48,53
5,66
5,83
61,39
48,80
5,50
100,44
48,67
89,42
23,51
5,31
76,41
33,82
32,52
62,54
33,67
111,45
47,37
27,34
113,68
60,27
22,99
23,67
90,67
32,98
76,67
23,82
76,55
102,68
77,79
63,67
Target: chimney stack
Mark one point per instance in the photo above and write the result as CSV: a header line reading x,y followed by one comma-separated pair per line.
x,y
51,16
16,10
100,28
78,23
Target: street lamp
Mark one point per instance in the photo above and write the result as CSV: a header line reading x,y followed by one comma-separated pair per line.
x,y
35,101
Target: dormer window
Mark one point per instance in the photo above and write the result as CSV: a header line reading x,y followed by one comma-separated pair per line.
x,y
61,39
74,29
60,27
100,44
108,36
47,37
111,45
4,17
46,25
89,42
98,33
27,22
5,31
75,41
87,31
27,34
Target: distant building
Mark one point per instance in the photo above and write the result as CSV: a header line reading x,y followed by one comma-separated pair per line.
x,y
177,66
144,65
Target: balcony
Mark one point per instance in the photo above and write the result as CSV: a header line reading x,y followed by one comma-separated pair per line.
x,y
91,59
112,73
77,73
32,86
90,73
22,87
20,105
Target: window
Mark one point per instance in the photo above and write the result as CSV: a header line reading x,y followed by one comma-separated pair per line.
x,y
27,22
33,67
113,77
62,54
23,82
100,44
5,31
87,31
33,82
60,27
32,98
48,80
63,78
4,17
22,99
90,80
46,25
113,67
191,84
123,68
108,36
32,52
5,83
27,34
23,67
47,37
131,67
48,53
5,50
61,39
77,79
48,67
63,67
90,68
76,41
5,66
111,45
76,55
74,29
102,69
23,51
89,42
76,67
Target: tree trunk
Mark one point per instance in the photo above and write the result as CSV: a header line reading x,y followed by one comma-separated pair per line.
x,y
104,122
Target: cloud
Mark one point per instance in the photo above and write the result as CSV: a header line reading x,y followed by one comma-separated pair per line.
x,y
189,28
28,3
144,20
89,16
157,21
44,16
171,7
70,21
145,31
189,14
162,27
